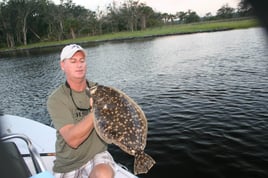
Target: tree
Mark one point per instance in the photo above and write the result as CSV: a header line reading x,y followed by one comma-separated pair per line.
x,y
188,17
165,17
131,13
245,8
113,20
182,16
25,9
225,12
208,16
191,17
144,13
6,24
54,16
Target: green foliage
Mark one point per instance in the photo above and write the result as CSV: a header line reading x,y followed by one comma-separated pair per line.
x,y
208,26
24,22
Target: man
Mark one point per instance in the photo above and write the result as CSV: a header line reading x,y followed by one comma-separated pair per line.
x,y
80,153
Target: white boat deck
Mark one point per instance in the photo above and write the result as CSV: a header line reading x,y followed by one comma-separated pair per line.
x,y
43,140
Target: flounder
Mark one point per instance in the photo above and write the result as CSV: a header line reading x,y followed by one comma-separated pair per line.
x,y
119,120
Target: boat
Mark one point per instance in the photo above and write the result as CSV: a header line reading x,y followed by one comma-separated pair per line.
x,y
27,149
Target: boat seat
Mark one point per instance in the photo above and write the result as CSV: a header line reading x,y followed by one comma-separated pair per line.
x,y
12,162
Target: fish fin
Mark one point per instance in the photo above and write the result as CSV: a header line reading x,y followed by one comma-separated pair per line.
x,y
143,163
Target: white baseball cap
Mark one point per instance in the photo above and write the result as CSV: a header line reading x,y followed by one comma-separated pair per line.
x,y
69,50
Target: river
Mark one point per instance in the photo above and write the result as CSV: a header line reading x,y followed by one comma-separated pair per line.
x,y
205,96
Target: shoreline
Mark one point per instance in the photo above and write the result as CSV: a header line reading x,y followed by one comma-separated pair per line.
x,y
27,50
168,30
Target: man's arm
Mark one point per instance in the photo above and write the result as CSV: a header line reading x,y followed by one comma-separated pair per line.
x,y
75,134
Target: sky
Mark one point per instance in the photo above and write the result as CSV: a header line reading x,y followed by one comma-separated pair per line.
x,y
201,7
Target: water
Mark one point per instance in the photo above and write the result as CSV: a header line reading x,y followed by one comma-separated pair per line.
x,y
205,97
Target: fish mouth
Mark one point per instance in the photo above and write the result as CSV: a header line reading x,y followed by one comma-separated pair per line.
x,y
92,89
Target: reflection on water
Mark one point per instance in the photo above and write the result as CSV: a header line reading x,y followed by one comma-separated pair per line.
x,y
205,96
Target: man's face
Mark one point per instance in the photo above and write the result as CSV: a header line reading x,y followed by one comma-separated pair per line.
x,y
75,67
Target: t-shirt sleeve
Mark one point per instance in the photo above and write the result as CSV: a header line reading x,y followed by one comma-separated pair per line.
x,y
59,112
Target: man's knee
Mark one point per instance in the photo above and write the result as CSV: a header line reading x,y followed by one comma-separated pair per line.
x,y
102,171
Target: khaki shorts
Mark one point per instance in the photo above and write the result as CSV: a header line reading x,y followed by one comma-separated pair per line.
x,y
84,171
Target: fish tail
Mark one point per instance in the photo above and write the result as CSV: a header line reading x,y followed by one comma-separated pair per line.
x,y
143,163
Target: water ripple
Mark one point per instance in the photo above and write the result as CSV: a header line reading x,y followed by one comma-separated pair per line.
x,y
206,103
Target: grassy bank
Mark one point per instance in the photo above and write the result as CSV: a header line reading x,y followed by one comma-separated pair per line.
x,y
153,32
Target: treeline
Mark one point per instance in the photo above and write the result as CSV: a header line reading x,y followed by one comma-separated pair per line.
x,y
28,21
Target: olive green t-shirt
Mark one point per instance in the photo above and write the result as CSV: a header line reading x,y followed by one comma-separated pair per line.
x,y
63,111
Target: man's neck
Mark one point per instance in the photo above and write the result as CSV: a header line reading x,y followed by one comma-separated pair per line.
x,y
77,85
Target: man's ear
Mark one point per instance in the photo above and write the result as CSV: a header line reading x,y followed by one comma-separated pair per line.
x,y
62,65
